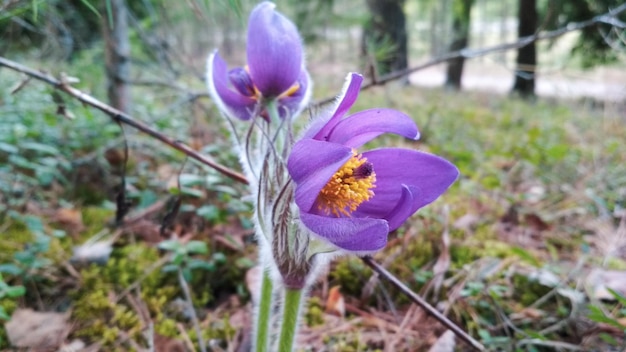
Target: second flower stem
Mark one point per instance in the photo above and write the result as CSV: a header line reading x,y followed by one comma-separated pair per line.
x,y
291,312
264,313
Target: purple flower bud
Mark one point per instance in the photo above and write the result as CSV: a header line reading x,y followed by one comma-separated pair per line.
x,y
275,69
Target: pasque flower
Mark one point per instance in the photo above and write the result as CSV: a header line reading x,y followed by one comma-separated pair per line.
x,y
353,199
275,68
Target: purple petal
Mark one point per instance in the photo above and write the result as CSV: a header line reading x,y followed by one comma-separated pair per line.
x,y
311,164
346,100
227,100
360,128
242,81
427,176
351,234
403,209
274,50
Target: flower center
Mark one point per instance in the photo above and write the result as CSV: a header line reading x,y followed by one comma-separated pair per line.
x,y
350,186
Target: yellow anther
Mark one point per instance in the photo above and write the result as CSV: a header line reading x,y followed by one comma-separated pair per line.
x,y
350,186
291,91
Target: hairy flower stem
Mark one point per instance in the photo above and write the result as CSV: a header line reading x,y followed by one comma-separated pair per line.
x,y
279,139
264,312
291,312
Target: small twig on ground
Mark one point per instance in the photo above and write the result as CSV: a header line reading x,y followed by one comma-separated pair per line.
x,y
607,18
460,333
121,117
192,310
185,337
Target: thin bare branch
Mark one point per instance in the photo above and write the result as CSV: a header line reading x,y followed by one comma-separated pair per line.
x,y
607,18
120,117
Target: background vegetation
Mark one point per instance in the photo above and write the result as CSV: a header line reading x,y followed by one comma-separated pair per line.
x,y
527,252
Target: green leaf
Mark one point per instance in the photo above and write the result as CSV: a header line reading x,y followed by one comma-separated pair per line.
x,y
3,314
190,180
218,257
226,189
187,274
25,258
59,233
39,147
596,314
109,13
209,212
618,296
33,223
192,192
525,255
535,335
8,148
198,247
179,257
91,7
11,269
168,268
170,245
15,291
22,162
200,264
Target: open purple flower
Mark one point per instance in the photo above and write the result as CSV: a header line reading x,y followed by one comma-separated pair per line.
x,y
275,68
351,199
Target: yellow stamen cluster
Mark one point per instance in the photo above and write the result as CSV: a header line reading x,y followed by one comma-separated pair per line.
x,y
345,191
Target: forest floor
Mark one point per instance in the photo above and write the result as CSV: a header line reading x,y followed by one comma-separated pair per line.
x,y
526,252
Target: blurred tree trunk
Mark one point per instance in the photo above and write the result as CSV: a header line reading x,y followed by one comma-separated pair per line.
x,y
527,56
117,55
385,37
460,32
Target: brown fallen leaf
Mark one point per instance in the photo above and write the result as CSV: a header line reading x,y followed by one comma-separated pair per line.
x,y
71,220
167,344
335,302
535,222
445,343
528,313
37,330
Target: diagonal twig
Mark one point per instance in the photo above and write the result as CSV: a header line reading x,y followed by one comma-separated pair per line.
x,y
121,117
467,53
460,333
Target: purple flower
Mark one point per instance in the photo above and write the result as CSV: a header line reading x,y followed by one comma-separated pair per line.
x,y
352,199
275,68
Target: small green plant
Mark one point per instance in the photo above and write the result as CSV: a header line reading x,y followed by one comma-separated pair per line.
x,y
9,291
182,257
28,261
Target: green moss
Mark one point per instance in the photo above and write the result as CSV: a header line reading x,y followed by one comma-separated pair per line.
x,y
527,291
9,305
350,273
613,263
315,312
15,238
95,219
99,317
